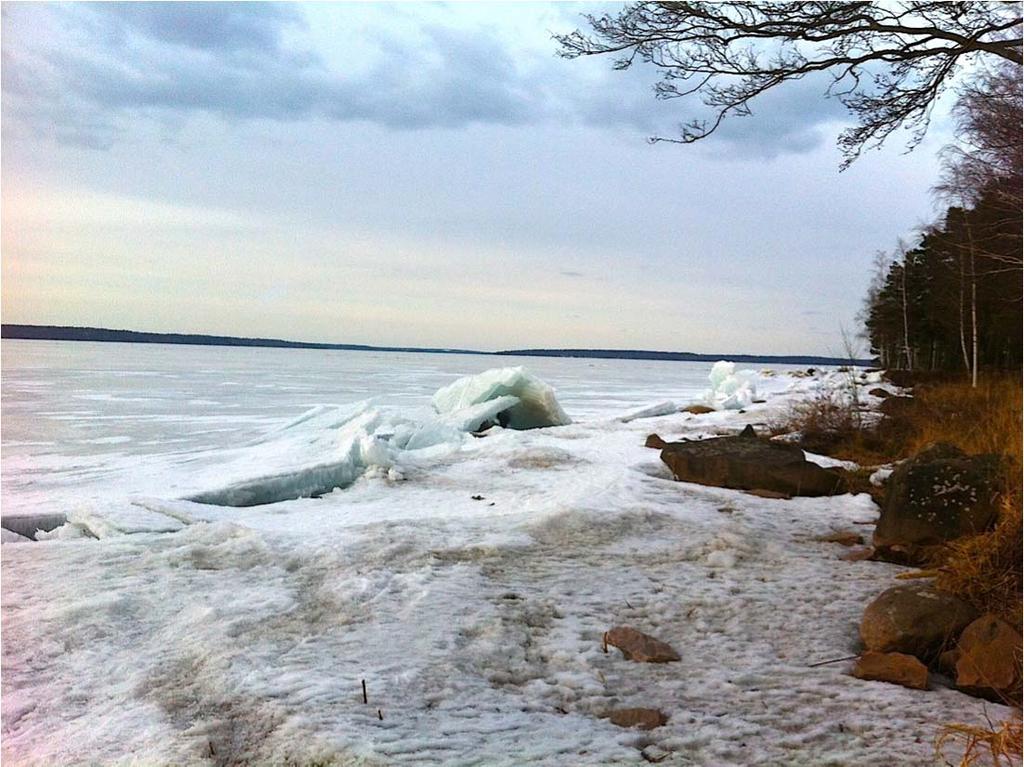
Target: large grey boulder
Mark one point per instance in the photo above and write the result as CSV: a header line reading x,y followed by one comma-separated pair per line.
x,y
746,462
937,496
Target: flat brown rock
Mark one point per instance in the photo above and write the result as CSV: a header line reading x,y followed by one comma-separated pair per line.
x,y
893,667
640,647
843,538
644,718
698,409
747,462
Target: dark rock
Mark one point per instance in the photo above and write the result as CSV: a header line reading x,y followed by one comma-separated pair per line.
x,y
881,393
902,378
746,462
638,646
937,496
946,662
988,660
644,718
893,667
915,619
896,407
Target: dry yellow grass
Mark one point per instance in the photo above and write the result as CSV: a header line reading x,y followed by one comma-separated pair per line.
x,y
1000,743
982,420
985,569
986,419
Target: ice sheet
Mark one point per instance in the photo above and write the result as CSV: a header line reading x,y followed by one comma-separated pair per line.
x,y
651,411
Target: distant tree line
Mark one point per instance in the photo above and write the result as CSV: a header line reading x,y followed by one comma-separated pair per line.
x,y
952,299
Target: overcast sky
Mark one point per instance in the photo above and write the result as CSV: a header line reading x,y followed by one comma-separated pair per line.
x,y
428,175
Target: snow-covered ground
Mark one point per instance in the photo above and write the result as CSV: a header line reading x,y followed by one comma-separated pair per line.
x,y
467,581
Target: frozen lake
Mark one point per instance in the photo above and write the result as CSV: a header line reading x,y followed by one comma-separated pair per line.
x,y
467,580
83,420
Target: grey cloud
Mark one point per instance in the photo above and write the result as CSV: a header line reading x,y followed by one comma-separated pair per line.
x,y
112,63
789,118
219,26
157,61
458,78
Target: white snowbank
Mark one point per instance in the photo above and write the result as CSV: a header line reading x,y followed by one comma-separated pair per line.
x,y
535,407
731,389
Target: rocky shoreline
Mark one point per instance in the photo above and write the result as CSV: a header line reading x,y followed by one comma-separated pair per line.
x,y
937,497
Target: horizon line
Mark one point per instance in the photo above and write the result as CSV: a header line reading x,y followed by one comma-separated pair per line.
x,y
79,333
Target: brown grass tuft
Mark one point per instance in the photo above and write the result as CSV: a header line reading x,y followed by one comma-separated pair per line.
x,y
1001,742
827,422
985,569
982,420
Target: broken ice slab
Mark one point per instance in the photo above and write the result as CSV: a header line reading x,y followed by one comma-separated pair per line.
x,y
537,405
26,525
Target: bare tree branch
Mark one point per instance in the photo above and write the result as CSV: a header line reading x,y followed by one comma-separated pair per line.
x,y
888,62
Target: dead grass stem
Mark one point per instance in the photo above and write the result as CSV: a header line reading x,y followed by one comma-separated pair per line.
x,y
1000,742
